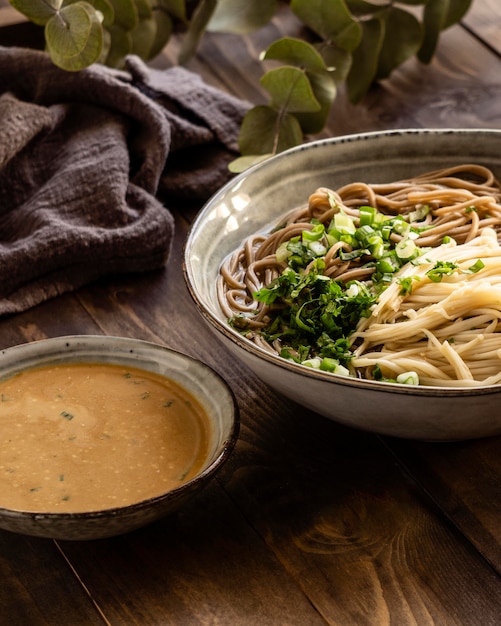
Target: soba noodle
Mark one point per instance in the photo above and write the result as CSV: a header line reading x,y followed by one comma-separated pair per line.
x,y
446,330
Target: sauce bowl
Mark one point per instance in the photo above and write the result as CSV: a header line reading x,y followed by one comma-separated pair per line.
x,y
199,382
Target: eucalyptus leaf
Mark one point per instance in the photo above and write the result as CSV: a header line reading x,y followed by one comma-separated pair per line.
x,y
106,47
103,6
241,16
456,10
266,131
144,9
74,37
40,11
324,89
196,29
174,8
163,32
362,8
241,164
402,40
413,2
144,33
434,16
331,20
125,13
290,90
120,46
365,59
295,52
338,61
143,37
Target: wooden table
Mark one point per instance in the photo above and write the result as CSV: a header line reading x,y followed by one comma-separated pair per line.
x,y
309,522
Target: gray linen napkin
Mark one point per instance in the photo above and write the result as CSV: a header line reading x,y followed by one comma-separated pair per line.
x,y
85,158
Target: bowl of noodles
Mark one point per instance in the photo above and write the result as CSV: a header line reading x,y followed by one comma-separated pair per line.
x,y
360,276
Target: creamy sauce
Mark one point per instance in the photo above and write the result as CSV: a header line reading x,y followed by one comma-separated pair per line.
x,y
88,437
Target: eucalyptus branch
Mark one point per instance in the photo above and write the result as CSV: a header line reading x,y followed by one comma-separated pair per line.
x,y
355,42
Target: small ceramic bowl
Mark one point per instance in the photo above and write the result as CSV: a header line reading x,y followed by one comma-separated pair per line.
x,y
199,380
255,200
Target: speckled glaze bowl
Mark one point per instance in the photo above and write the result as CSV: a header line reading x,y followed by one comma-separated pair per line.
x,y
256,199
201,381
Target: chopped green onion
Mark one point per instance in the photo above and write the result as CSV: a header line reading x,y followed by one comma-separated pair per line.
x,y
408,378
367,215
476,267
344,224
283,252
405,249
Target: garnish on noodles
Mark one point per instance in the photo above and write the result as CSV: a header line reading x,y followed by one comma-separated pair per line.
x,y
393,282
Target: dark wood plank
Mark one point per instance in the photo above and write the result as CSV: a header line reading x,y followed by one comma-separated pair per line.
x,y
309,522
204,565
484,21
463,478
360,539
351,532
37,588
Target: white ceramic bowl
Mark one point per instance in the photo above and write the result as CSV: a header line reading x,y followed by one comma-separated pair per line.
x,y
259,197
197,378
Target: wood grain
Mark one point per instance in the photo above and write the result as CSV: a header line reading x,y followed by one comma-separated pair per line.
x,y
309,522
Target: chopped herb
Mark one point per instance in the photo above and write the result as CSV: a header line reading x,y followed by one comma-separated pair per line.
x,y
145,395
312,316
476,267
406,284
441,269
66,415
168,403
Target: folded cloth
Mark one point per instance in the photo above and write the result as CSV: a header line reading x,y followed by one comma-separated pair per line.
x,y
85,158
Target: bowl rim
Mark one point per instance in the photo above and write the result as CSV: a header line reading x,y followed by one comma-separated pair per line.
x,y
252,349
225,448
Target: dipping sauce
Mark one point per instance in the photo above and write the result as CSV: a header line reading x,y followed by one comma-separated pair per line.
x,y
88,437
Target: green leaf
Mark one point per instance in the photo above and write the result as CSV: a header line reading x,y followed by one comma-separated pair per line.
x,y
174,8
403,36
164,28
38,12
241,16
456,10
243,163
413,2
125,13
103,6
106,47
266,131
295,52
144,33
365,60
330,19
324,89
74,37
290,89
320,84
143,8
338,61
196,29
437,16
120,46
361,8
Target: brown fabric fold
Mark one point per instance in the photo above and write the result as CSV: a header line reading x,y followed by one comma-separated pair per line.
x,y
84,159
